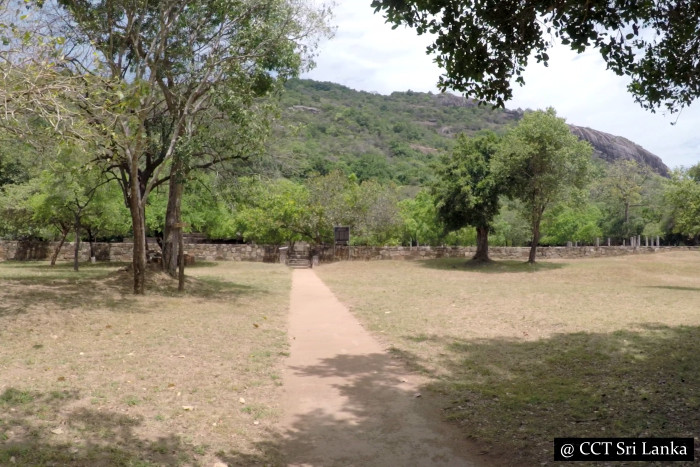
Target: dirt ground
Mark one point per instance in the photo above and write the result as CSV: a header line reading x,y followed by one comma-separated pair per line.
x,y
91,375
348,402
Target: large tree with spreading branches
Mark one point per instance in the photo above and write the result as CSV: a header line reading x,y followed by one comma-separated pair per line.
x,y
483,45
139,76
466,191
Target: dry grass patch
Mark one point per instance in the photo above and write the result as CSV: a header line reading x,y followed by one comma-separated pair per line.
x,y
599,348
92,375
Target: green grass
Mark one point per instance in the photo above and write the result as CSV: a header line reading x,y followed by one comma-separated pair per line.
x,y
521,355
13,397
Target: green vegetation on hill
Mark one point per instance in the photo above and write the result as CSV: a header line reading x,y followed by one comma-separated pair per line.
x,y
327,127
367,161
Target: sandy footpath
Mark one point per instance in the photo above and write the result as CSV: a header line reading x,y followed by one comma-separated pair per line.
x,y
347,402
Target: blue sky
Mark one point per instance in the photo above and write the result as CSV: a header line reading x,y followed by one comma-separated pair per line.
x,y
366,54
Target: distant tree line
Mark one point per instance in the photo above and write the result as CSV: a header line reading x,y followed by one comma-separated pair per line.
x,y
534,185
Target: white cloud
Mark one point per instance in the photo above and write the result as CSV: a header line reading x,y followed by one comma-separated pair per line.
x,y
366,54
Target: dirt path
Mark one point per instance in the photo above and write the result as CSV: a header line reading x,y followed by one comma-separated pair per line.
x,y
347,402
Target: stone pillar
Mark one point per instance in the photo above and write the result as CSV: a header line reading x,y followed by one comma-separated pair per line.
x,y
608,241
639,241
597,242
283,255
569,244
658,241
646,241
624,242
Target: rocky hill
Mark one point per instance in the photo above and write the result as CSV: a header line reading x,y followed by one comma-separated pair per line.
x,y
611,148
326,126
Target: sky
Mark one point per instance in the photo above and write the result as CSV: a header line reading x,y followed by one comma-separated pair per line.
x,y
367,55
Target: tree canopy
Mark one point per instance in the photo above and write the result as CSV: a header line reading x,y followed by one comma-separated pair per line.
x,y
683,196
538,161
483,45
139,78
466,191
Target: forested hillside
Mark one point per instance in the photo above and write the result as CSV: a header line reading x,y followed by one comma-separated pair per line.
x,y
326,126
376,163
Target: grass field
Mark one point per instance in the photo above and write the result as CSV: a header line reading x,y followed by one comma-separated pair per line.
x,y
606,347
91,375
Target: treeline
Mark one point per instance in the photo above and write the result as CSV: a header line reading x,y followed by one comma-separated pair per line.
x,y
43,198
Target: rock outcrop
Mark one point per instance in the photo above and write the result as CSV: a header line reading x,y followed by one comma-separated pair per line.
x,y
611,148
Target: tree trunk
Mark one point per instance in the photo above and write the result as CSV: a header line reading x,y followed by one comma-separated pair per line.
x,y
181,262
535,241
173,230
76,251
138,220
91,240
482,245
64,233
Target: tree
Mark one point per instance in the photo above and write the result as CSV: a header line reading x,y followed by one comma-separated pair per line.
x,y
466,191
482,45
17,219
624,183
68,189
275,212
137,76
510,228
204,208
683,196
281,211
537,161
565,223
421,223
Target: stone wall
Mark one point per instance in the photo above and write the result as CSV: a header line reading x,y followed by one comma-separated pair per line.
x,y
37,251
514,253
27,251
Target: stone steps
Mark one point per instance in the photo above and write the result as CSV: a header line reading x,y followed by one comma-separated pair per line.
x,y
298,261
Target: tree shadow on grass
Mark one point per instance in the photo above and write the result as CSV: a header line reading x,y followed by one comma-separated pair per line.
x,y
214,288
381,421
490,267
41,429
60,288
516,396
370,428
673,287
96,286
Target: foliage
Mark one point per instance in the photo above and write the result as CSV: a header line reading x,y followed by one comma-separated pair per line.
x,y
16,212
375,214
565,223
630,197
273,213
326,127
510,227
204,208
538,161
137,78
282,211
421,224
466,191
683,196
483,45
